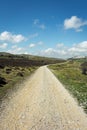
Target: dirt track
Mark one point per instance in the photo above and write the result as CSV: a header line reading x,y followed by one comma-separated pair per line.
x,y
42,103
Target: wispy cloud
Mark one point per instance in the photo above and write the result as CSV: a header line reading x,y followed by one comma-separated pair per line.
x,y
33,35
74,23
16,50
42,26
38,24
13,47
40,43
3,45
32,45
60,45
9,37
36,21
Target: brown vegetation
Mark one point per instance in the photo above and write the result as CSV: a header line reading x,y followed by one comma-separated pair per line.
x,y
2,81
84,68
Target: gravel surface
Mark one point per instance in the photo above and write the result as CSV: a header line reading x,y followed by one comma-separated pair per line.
x,y
41,103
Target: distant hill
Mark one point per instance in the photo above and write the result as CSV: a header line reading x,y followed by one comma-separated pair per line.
x,y
5,54
78,57
26,60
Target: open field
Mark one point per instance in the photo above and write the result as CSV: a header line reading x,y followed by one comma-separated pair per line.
x,y
70,74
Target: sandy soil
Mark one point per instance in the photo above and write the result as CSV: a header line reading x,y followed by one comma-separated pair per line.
x,y
42,103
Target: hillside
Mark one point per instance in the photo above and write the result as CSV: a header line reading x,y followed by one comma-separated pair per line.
x,y
15,68
73,74
26,60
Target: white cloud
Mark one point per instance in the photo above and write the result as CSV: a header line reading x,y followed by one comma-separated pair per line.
x,y
50,52
78,49
9,37
83,45
3,46
32,45
38,24
74,23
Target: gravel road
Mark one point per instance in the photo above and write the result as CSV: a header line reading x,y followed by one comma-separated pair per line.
x,y
41,103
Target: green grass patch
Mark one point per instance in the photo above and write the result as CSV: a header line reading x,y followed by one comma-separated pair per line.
x,y
71,76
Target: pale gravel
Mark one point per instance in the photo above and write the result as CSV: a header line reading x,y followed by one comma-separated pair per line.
x,y
42,103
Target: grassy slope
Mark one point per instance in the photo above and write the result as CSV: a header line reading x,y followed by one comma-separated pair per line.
x,y
30,58
70,75
14,77
24,64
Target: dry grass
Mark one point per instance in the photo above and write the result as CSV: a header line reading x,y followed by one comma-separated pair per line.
x,y
13,75
71,76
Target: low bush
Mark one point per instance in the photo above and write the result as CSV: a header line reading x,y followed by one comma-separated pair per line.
x,y
20,74
2,81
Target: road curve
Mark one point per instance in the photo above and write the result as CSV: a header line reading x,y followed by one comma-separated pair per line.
x,y
42,103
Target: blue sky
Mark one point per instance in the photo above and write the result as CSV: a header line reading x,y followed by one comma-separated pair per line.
x,y
54,28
